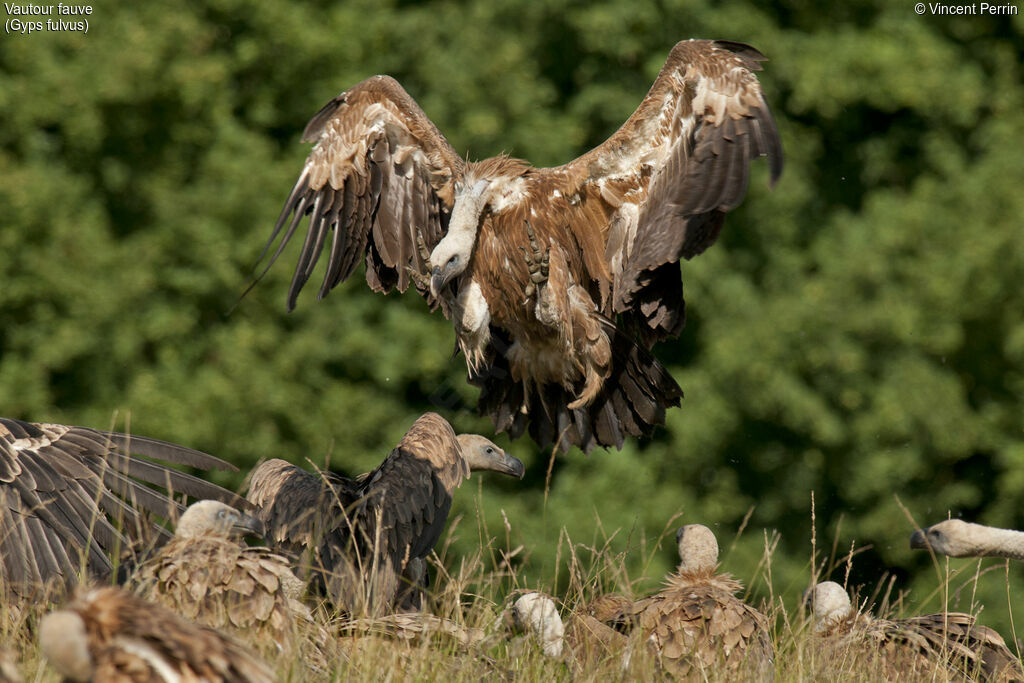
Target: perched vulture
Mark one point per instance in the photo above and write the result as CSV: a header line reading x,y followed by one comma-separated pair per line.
x,y
205,574
558,281
108,634
957,538
366,540
73,497
949,644
696,625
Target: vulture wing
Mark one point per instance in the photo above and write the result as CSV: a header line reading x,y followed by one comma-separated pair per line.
x,y
363,534
73,495
379,180
673,170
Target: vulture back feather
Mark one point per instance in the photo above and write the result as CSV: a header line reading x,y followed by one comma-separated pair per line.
x,y
696,624
73,497
207,575
108,634
948,642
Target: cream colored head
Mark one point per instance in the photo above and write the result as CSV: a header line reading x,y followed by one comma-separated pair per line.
x,y
831,604
698,548
957,538
213,518
64,643
537,615
480,453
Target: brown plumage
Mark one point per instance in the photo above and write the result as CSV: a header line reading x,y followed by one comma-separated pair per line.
x,y
558,280
110,635
205,574
585,641
74,496
696,624
950,643
366,540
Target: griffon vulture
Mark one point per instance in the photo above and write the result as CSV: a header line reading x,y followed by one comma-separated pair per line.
x,y
585,642
205,574
950,644
956,538
365,538
108,634
558,281
73,497
696,624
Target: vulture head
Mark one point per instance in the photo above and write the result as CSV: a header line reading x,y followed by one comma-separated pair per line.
x,y
451,255
481,454
831,604
952,538
536,614
65,644
698,549
213,518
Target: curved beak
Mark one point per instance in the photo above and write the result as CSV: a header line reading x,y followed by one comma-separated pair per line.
x,y
247,525
511,466
437,281
918,540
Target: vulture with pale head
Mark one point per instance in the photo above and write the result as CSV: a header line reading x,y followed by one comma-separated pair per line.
x,y
73,497
948,644
957,538
585,642
366,540
108,634
696,625
558,281
206,574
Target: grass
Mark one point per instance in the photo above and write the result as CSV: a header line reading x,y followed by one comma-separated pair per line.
x,y
473,591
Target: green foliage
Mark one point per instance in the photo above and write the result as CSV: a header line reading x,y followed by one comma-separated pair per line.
x,y
858,332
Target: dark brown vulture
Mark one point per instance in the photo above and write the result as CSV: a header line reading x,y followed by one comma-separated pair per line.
x,y
957,538
108,634
366,540
558,281
949,645
73,497
207,575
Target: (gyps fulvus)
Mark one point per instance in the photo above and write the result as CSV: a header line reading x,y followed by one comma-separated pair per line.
x,y
558,281
365,538
68,493
207,575
956,538
949,644
108,634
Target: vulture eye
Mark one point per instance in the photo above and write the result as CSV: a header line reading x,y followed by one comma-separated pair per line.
x,y
489,451
453,260
221,514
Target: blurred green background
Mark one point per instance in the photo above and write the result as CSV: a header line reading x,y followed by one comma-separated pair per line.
x,y
857,333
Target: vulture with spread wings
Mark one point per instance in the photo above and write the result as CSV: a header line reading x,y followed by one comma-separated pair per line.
x,y
73,497
558,281
365,540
